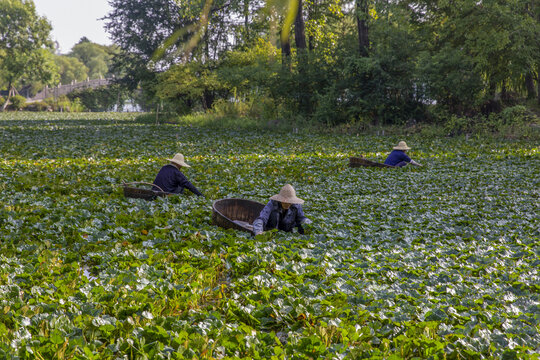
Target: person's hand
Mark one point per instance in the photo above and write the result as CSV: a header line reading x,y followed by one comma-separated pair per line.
x,y
308,228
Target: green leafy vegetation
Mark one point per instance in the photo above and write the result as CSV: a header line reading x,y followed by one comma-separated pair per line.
x,y
433,262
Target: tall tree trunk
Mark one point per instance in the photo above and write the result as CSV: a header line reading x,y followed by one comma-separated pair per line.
x,y
529,84
304,91
362,16
504,91
10,91
300,28
246,19
538,82
538,63
311,39
206,44
286,53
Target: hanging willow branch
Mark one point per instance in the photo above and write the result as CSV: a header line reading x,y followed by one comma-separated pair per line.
x,y
199,29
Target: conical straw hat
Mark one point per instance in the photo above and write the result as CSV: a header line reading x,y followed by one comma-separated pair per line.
x,y
179,160
287,195
402,145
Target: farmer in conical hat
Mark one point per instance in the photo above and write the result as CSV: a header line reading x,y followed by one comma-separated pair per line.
x,y
283,212
398,156
170,178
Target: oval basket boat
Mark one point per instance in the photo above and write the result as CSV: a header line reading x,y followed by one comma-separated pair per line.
x,y
132,191
360,161
236,214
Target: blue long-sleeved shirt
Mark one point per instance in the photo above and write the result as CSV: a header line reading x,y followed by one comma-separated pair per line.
x,y
273,216
170,179
397,156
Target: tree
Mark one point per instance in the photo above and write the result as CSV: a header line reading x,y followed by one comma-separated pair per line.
x,y
362,16
70,69
103,98
188,86
496,41
95,57
25,47
139,28
342,60
299,27
154,35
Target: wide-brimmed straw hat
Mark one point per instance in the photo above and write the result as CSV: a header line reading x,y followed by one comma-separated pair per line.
x,y
178,159
402,145
287,195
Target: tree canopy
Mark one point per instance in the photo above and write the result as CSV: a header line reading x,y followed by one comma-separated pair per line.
x,y
96,58
384,61
25,46
330,61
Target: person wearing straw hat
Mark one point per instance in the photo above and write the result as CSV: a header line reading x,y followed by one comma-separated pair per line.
x,y
171,179
283,212
398,156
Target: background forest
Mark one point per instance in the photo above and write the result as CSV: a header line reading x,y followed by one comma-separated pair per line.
x,y
323,61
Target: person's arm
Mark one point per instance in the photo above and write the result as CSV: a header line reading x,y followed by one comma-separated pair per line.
x,y
262,220
184,182
415,163
404,157
301,219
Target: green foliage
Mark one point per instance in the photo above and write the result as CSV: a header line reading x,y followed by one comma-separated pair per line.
x,y
466,58
250,72
125,24
24,45
60,104
515,115
36,106
77,105
263,108
433,262
99,99
450,79
17,102
96,58
70,69
512,121
188,87
63,103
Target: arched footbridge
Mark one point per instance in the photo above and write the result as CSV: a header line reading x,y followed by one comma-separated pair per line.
x,y
66,89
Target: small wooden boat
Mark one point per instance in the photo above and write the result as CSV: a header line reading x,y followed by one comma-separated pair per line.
x,y
236,214
132,190
360,161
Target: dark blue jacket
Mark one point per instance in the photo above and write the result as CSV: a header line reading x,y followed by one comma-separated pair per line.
x,y
273,216
397,156
171,180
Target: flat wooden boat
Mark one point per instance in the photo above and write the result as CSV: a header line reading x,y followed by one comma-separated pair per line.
x,y
133,190
355,162
236,214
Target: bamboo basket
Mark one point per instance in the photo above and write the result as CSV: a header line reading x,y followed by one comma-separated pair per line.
x,y
132,190
236,214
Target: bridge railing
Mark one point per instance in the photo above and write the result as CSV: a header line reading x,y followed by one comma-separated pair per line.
x,y
66,89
